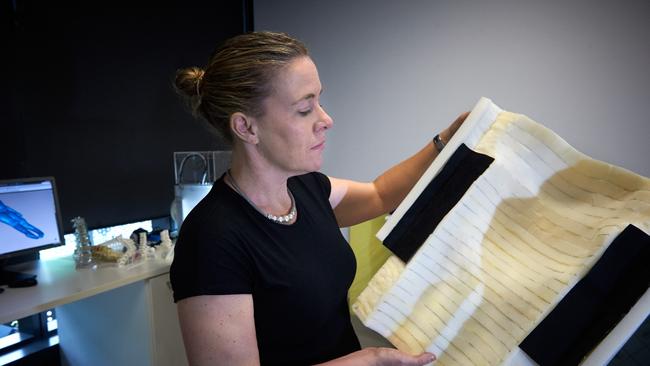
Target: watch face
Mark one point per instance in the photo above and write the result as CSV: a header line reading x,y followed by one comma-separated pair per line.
x,y
438,143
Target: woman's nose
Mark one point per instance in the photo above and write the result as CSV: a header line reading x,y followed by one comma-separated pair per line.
x,y
325,118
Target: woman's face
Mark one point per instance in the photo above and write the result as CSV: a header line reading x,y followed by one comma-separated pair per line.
x,y
292,130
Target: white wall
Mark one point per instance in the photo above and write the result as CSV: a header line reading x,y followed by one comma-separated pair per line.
x,y
397,72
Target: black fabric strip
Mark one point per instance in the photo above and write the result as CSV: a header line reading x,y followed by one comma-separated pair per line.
x,y
595,304
440,196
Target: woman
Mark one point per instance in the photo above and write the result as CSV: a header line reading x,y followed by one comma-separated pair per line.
x,y
261,271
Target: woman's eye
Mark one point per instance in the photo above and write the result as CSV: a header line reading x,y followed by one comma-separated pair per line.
x,y
305,113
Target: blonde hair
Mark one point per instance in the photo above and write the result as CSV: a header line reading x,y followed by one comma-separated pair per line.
x,y
238,77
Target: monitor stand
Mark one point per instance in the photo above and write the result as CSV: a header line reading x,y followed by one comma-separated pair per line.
x,y
16,279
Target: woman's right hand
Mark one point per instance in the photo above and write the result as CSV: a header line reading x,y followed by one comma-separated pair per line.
x,y
393,357
381,356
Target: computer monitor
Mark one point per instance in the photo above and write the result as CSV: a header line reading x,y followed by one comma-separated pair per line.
x,y
30,220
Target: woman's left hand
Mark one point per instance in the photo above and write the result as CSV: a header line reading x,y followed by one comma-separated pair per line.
x,y
448,132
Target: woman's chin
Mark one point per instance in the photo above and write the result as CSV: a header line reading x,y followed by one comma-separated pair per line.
x,y
317,165
311,165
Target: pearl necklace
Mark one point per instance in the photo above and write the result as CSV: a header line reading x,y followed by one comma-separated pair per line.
x,y
284,219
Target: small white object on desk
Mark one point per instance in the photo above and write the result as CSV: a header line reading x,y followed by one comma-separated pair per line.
x,y
165,250
146,251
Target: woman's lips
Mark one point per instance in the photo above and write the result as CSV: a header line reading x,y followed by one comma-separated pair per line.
x,y
320,146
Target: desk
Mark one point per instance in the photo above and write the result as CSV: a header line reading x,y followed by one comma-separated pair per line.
x,y
106,316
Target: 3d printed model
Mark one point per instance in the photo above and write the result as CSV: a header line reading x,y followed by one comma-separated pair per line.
x,y
16,220
470,282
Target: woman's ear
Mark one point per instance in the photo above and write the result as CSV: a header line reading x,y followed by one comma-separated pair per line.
x,y
243,127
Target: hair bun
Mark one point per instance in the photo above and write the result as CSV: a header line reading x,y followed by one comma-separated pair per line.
x,y
188,80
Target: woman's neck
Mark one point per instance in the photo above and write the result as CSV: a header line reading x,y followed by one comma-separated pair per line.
x,y
261,183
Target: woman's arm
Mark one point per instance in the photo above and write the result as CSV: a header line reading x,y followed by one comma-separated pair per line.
x,y
356,202
219,330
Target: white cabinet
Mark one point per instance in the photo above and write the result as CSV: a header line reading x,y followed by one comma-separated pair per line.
x,y
135,324
168,346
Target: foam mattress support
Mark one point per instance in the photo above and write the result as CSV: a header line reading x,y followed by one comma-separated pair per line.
x,y
528,226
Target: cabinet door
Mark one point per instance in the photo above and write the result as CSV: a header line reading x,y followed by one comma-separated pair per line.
x,y
110,328
168,348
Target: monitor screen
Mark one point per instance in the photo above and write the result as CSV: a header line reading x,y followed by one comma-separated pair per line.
x,y
30,219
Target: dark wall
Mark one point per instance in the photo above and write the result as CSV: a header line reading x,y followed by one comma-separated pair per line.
x,y
90,100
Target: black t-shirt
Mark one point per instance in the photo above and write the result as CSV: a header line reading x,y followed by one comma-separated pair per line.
x,y
298,274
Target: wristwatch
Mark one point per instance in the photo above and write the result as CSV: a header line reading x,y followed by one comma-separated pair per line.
x,y
437,142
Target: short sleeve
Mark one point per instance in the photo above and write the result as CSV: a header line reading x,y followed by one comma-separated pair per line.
x,y
209,264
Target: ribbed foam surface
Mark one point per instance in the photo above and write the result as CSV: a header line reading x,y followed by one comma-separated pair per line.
x,y
521,236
